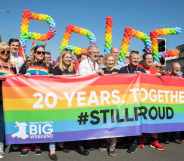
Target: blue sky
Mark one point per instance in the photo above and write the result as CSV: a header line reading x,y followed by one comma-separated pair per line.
x,y
143,15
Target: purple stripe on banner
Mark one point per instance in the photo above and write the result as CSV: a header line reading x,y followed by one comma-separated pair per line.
x,y
158,128
101,133
80,135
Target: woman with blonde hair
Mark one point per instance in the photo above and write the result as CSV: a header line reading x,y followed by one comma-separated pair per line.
x,y
5,69
37,64
65,65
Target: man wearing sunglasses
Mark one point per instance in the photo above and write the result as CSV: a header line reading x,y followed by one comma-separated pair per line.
x,y
89,65
16,60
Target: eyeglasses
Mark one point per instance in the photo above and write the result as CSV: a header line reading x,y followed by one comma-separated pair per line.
x,y
5,52
40,52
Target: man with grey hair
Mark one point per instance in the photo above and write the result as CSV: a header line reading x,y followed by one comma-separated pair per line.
x,y
89,65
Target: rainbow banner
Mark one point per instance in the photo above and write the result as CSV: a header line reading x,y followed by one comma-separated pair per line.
x,y
42,109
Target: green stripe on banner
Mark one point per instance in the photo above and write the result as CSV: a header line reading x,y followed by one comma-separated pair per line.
x,y
70,114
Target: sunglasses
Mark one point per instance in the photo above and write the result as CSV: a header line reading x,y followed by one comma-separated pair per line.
x,y
67,57
5,52
40,52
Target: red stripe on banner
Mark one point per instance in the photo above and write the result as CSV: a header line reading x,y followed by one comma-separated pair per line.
x,y
97,80
164,80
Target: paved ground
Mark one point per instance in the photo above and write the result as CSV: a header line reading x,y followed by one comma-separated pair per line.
x,y
174,152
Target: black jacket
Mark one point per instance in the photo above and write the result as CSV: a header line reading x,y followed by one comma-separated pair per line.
x,y
106,71
58,71
131,69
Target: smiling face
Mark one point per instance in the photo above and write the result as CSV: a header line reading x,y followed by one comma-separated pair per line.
x,y
4,54
66,58
14,47
134,59
148,60
48,57
39,53
110,62
93,53
176,68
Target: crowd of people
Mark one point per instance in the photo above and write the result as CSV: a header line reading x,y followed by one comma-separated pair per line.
x,y
90,61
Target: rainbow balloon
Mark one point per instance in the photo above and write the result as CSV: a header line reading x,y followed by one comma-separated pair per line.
x,y
81,31
129,33
172,53
108,35
161,32
24,30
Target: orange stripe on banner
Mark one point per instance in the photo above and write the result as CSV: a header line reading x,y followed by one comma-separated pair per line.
x,y
27,92
82,101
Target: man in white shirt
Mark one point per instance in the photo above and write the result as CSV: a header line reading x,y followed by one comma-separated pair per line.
x,y
15,59
89,65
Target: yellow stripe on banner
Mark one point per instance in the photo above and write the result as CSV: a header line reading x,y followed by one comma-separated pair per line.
x,y
63,97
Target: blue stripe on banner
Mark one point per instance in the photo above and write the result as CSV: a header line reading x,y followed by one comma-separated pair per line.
x,y
99,133
65,126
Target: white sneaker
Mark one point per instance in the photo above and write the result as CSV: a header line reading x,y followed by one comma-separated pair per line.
x,y
1,156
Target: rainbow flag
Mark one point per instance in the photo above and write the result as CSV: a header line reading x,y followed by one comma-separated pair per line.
x,y
42,109
6,72
37,70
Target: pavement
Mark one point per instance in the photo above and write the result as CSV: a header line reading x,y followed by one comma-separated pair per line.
x,y
173,152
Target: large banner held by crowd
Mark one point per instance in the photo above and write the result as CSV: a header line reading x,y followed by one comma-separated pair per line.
x,y
58,108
